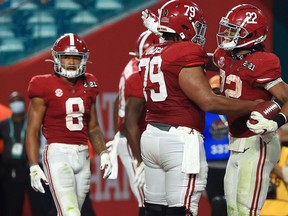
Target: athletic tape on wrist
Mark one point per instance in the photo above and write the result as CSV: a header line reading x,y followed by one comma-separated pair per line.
x,y
280,119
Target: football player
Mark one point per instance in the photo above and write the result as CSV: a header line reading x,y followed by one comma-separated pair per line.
x,y
248,72
177,94
64,103
130,84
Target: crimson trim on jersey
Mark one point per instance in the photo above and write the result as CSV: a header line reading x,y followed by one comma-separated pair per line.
x,y
50,177
189,191
140,190
195,64
259,177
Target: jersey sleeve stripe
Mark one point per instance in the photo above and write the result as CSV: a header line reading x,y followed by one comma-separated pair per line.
x,y
195,64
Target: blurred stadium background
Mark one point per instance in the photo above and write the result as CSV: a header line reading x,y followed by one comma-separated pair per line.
x,y
29,26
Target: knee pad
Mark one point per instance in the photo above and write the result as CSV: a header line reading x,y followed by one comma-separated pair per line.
x,y
154,209
178,211
219,206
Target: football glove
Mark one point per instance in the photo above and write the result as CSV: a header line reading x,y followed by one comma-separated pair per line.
x,y
106,164
140,175
111,147
36,175
150,21
263,125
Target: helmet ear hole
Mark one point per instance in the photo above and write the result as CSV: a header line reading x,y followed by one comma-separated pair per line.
x,y
250,35
185,28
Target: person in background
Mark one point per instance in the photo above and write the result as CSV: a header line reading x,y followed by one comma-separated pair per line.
x,y
129,84
63,105
5,113
177,95
16,179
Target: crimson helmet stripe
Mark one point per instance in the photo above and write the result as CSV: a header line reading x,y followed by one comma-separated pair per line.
x,y
232,10
167,3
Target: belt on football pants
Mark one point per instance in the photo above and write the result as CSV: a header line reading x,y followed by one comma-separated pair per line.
x,y
162,126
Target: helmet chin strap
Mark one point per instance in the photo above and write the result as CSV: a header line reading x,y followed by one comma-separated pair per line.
x,y
229,46
68,73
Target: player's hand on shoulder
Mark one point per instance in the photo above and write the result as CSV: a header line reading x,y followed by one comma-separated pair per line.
x,y
106,164
36,176
150,21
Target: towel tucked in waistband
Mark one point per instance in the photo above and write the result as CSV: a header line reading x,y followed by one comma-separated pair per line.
x,y
191,153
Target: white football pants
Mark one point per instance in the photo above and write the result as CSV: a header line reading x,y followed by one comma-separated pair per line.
x,y
166,184
247,175
125,154
67,168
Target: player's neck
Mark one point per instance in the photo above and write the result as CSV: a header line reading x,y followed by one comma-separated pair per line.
x,y
69,81
243,52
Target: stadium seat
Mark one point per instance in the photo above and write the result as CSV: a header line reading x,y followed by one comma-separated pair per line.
x,y
12,45
82,21
6,19
7,26
24,6
87,4
39,17
67,5
84,17
65,9
23,11
108,4
44,31
6,32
